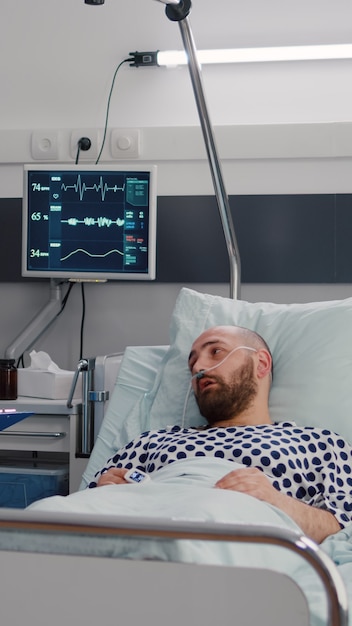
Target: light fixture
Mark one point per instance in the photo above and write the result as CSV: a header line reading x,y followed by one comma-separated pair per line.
x,y
172,58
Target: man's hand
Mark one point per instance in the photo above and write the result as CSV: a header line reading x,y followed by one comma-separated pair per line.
x,y
252,481
113,476
315,523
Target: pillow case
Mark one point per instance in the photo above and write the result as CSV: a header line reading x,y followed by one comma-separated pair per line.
x,y
126,415
311,345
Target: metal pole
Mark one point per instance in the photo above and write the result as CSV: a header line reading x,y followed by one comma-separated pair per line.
x,y
180,13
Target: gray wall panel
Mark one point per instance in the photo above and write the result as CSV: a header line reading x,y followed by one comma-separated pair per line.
x,y
281,238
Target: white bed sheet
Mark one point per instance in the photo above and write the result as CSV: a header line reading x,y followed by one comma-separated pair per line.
x,y
184,491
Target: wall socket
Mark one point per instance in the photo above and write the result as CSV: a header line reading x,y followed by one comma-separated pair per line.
x,y
85,155
45,145
125,143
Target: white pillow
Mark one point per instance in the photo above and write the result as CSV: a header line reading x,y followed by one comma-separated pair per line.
x,y
127,414
312,352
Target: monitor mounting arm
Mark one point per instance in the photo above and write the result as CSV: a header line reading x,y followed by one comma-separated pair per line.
x,y
40,323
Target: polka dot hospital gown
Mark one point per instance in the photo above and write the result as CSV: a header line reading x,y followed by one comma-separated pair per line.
x,y
308,463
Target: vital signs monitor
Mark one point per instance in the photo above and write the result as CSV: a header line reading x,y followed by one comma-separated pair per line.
x,y
95,222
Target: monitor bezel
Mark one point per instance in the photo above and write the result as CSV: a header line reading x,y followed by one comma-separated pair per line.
x,y
91,275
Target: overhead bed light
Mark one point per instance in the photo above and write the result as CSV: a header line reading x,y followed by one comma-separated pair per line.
x,y
171,58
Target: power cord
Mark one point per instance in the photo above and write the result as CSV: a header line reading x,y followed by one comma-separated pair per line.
x,y
108,107
84,144
82,321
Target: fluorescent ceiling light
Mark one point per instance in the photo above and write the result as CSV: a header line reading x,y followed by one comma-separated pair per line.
x,y
172,58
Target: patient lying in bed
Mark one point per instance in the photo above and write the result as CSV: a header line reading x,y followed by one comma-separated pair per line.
x,y
305,472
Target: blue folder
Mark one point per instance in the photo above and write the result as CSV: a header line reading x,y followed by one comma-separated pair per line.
x,y
9,418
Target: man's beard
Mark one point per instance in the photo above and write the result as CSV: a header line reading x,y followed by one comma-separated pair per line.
x,y
228,400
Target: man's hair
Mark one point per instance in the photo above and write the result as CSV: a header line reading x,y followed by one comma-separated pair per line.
x,y
254,340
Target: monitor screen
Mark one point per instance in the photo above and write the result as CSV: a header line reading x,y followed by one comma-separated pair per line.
x,y
89,222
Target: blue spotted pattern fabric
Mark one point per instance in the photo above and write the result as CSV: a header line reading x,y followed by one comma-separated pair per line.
x,y
310,464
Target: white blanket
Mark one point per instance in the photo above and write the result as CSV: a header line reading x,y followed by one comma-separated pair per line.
x,y
185,491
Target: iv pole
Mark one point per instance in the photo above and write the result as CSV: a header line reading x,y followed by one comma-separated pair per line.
x,y
178,12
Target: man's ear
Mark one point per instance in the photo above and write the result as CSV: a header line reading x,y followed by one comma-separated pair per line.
x,y
264,363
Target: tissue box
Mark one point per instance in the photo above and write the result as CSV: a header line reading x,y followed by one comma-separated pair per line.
x,y
51,385
45,379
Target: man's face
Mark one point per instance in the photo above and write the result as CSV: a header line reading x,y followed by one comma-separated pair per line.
x,y
228,386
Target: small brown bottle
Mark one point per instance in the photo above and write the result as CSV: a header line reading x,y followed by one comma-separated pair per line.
x,y
8,379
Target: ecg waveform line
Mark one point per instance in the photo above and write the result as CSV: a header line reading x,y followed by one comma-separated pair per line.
x,y
95,256
92,221
80,187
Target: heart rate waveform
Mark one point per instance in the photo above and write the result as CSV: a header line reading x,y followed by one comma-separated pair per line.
x,y
94,221
80,187
95,256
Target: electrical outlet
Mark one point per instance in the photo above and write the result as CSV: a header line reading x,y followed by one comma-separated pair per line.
x,y
125,143
85,155
45,145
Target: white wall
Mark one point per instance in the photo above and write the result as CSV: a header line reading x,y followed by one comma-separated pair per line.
x,y
280,128
59,57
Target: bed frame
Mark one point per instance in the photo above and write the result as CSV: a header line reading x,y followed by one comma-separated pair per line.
x,y
71,588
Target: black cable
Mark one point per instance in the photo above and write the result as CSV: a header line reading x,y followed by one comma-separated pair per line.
x,y
84,143
82,321
97,161
65,298
108,107
20,361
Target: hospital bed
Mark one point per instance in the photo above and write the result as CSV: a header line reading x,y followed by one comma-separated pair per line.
x,y
177,553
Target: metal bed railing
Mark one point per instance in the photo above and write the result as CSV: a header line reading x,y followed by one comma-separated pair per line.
x,y
56,523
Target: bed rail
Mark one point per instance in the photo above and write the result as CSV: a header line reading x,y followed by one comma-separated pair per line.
x,y
95,525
